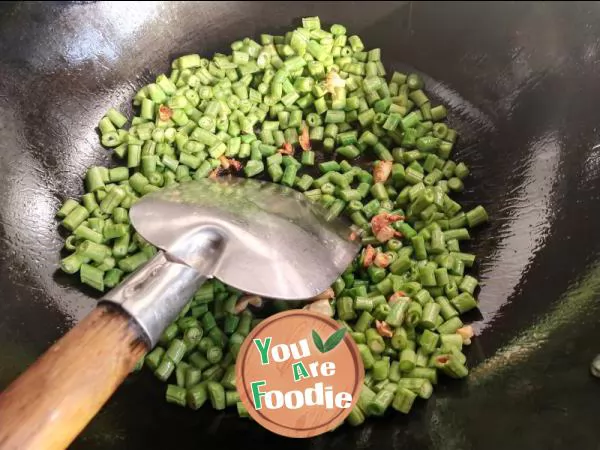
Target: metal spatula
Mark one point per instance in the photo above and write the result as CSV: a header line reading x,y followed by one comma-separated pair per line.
x,y
258,237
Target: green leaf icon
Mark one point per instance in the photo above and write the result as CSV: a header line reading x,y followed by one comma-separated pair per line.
x,y
334,340
318,341
331,342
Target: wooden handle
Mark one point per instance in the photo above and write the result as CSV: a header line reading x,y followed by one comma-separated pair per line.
x,y
49,404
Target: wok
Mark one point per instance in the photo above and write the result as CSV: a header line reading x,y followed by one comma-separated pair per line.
x,y
522,82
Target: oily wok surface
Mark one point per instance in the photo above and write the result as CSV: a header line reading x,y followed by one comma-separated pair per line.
x,y
522,85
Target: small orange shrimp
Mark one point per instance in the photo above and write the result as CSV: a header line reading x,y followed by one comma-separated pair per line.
x,y
369,256
304,139
321,307
380,224
383,328
466,333
382,171
224,162
381,260
164,112
246,300
287,149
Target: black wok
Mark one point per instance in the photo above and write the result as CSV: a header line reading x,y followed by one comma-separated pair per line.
x,y
523,83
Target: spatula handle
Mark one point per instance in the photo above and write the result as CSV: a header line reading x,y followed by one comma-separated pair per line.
x,y
49,404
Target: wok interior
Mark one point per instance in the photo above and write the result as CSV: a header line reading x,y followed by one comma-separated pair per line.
x,y
521,83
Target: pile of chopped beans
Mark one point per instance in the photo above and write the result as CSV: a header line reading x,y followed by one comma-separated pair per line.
x,y
261,111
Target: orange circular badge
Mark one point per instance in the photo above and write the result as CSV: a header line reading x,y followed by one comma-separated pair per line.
x,y
299,373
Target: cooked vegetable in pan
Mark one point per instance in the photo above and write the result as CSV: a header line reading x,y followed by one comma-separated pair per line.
x,y
316,111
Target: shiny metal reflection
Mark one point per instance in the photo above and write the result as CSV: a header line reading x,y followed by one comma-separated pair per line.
x,y
274,242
